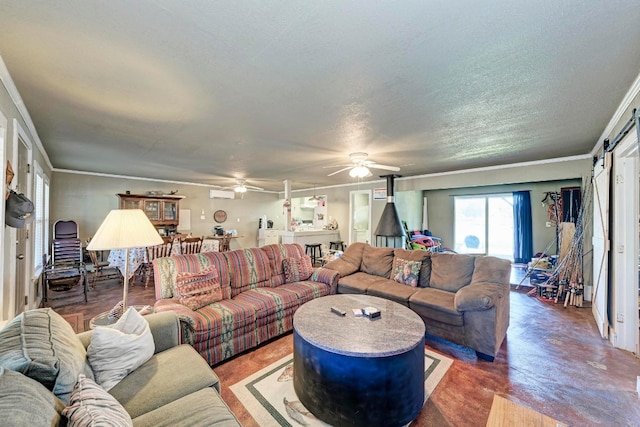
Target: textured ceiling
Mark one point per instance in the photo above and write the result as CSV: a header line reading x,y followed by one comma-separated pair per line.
x,y
208,91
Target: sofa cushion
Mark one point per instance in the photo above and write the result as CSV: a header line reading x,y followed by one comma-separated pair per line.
x,y
26,402
297,269
91,406
377,261
203,408
276,254
406,272
357,283
249,269
42,345
490,269
166,377
450,272
196,290
166,270
117,350
419,255
350,261
392,290
436,304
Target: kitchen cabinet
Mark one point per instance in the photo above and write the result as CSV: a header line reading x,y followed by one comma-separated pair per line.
x,y
162,210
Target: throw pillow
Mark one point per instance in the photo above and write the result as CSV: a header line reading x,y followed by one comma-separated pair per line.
x,y
407,272
42,345
26,402
91,405
117,350
195,290
297,269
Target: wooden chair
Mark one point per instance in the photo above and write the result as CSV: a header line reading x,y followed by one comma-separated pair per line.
x,y
153,252
191,245
102,271
64,270
225,243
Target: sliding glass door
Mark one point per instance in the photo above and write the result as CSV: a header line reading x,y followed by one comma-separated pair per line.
x,y
484,225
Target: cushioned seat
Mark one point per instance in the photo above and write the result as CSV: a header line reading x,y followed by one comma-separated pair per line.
x,y
356,283
392,290
436,304
166,377
205,408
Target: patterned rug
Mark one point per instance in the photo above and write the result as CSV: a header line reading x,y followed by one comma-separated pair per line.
x,y
269,397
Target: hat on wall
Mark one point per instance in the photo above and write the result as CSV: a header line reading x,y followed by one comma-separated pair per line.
x,y
18,209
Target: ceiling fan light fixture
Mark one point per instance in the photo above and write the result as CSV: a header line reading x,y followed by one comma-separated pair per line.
x,y
359,172
240,189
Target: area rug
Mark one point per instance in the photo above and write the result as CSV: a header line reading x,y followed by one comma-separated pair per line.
x,y
269,397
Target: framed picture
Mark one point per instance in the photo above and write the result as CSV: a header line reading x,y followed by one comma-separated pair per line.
x,y
380,193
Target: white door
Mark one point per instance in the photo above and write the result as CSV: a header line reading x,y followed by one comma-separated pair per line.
x,y
22,234
600,241
360,216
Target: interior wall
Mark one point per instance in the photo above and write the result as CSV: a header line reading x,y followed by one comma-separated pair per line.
x,y
88,199
8,234
441,209
409,206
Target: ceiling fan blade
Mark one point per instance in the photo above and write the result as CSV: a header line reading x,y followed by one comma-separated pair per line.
x,y
253,187
336,166
340,170
385,167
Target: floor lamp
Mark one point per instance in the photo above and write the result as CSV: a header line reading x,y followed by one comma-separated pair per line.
x,y
125,229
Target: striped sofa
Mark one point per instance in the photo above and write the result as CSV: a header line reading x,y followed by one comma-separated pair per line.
x,y
257,302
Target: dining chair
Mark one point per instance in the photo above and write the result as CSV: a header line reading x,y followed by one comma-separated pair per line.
x,y
102,270
153,252
191,245
225,242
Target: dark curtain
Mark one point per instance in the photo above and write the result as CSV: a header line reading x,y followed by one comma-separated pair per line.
x,y
522,228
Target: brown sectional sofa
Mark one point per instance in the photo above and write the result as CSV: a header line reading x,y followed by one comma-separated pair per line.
x,y
257,303
461,298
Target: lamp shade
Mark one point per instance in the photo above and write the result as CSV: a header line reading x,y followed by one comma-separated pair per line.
x,y
125,228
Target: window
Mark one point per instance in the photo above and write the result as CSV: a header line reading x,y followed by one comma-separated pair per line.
x,y
484,225
41,220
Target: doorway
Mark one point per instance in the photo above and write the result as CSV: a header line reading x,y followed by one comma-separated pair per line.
x,y
625,237
360,216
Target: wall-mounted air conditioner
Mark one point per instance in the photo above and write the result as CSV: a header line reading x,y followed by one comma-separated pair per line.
x,y
220,194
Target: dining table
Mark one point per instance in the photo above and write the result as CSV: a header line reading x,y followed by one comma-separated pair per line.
x,y
138,256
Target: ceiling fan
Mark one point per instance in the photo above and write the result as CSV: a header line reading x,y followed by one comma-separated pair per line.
x,y
241,187
359,167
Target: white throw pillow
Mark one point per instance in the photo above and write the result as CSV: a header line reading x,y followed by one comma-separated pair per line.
x,y
117,350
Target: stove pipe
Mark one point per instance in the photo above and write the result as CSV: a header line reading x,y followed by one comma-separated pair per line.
x,y
390,232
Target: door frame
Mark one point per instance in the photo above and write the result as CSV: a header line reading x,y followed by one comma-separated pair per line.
x,y
352,194
599,307
20,137
3,160
625,245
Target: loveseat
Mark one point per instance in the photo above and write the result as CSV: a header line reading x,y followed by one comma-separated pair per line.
x,y
461,298
260,290
45,377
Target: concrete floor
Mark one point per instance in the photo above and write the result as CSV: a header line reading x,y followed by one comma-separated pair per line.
x,y
552,361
